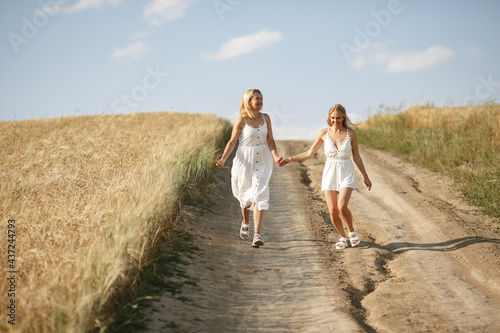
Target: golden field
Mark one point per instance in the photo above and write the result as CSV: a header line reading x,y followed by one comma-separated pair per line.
x,y
91,197
461,142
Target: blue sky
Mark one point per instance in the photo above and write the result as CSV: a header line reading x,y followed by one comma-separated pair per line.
x,y
84,57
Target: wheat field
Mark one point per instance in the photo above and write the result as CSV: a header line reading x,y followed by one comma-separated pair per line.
x,y
460,142
91,196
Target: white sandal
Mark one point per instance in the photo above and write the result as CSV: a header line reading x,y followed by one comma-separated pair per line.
x,y
244,234
342,244
257,241
353,237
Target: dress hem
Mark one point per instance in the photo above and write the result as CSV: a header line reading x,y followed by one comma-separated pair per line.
x,y
353,187
259,206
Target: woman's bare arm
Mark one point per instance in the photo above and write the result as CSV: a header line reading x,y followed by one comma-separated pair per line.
x,y
238,126
312,150
357,159
270,141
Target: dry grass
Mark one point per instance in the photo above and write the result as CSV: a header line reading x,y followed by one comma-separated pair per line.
x,y
91,195
462,142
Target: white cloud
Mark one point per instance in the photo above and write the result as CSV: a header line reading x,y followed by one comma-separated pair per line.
x,y
379,54
412,62
245,44
160,11
87,4
132,52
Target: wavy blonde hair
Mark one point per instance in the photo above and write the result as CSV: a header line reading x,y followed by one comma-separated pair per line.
x,y
347,123
245,109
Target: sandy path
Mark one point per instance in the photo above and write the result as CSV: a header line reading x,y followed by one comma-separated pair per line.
x,y
427,263
280,287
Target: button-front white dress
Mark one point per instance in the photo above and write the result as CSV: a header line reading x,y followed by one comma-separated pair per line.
x,y
339,168
252,168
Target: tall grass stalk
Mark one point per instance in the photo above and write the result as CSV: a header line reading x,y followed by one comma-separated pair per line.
x,y
92,196
461,142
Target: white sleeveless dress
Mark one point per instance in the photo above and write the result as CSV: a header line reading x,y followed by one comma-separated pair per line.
x,y
252,168
339,168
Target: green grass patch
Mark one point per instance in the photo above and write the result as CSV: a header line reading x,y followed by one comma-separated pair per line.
x,y
462,143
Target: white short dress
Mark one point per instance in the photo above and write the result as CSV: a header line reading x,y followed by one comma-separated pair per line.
x,y
339,168
252,168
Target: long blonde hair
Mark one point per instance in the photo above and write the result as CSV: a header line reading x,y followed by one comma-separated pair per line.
x,y
347,123
245,109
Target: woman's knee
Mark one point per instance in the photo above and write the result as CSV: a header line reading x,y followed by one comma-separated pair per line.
x,y
333,211
344,210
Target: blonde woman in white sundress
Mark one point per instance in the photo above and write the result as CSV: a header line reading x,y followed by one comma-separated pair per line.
x,y
253,163
339,178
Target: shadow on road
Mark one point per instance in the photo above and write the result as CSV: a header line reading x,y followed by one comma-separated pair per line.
x,y
447,246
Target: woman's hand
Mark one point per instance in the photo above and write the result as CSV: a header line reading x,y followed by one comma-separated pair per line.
x,y
285,161
278,160
368,183
219,163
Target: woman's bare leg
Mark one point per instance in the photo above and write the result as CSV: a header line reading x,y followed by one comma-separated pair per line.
x,y
333,211
246,216
344,197
258,217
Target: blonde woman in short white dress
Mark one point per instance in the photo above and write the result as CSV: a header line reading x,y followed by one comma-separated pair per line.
x,y
253,163
339,179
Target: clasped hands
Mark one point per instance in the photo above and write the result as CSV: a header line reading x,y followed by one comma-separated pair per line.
x,y
283,161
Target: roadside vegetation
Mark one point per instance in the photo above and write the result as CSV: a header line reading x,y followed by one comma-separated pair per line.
x,y
460,142
94,198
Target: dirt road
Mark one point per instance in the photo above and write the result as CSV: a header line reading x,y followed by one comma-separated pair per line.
x,y
427,261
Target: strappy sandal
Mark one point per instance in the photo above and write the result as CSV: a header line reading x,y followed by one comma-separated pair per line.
x,y
353,237
244,234
257,241
342,244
